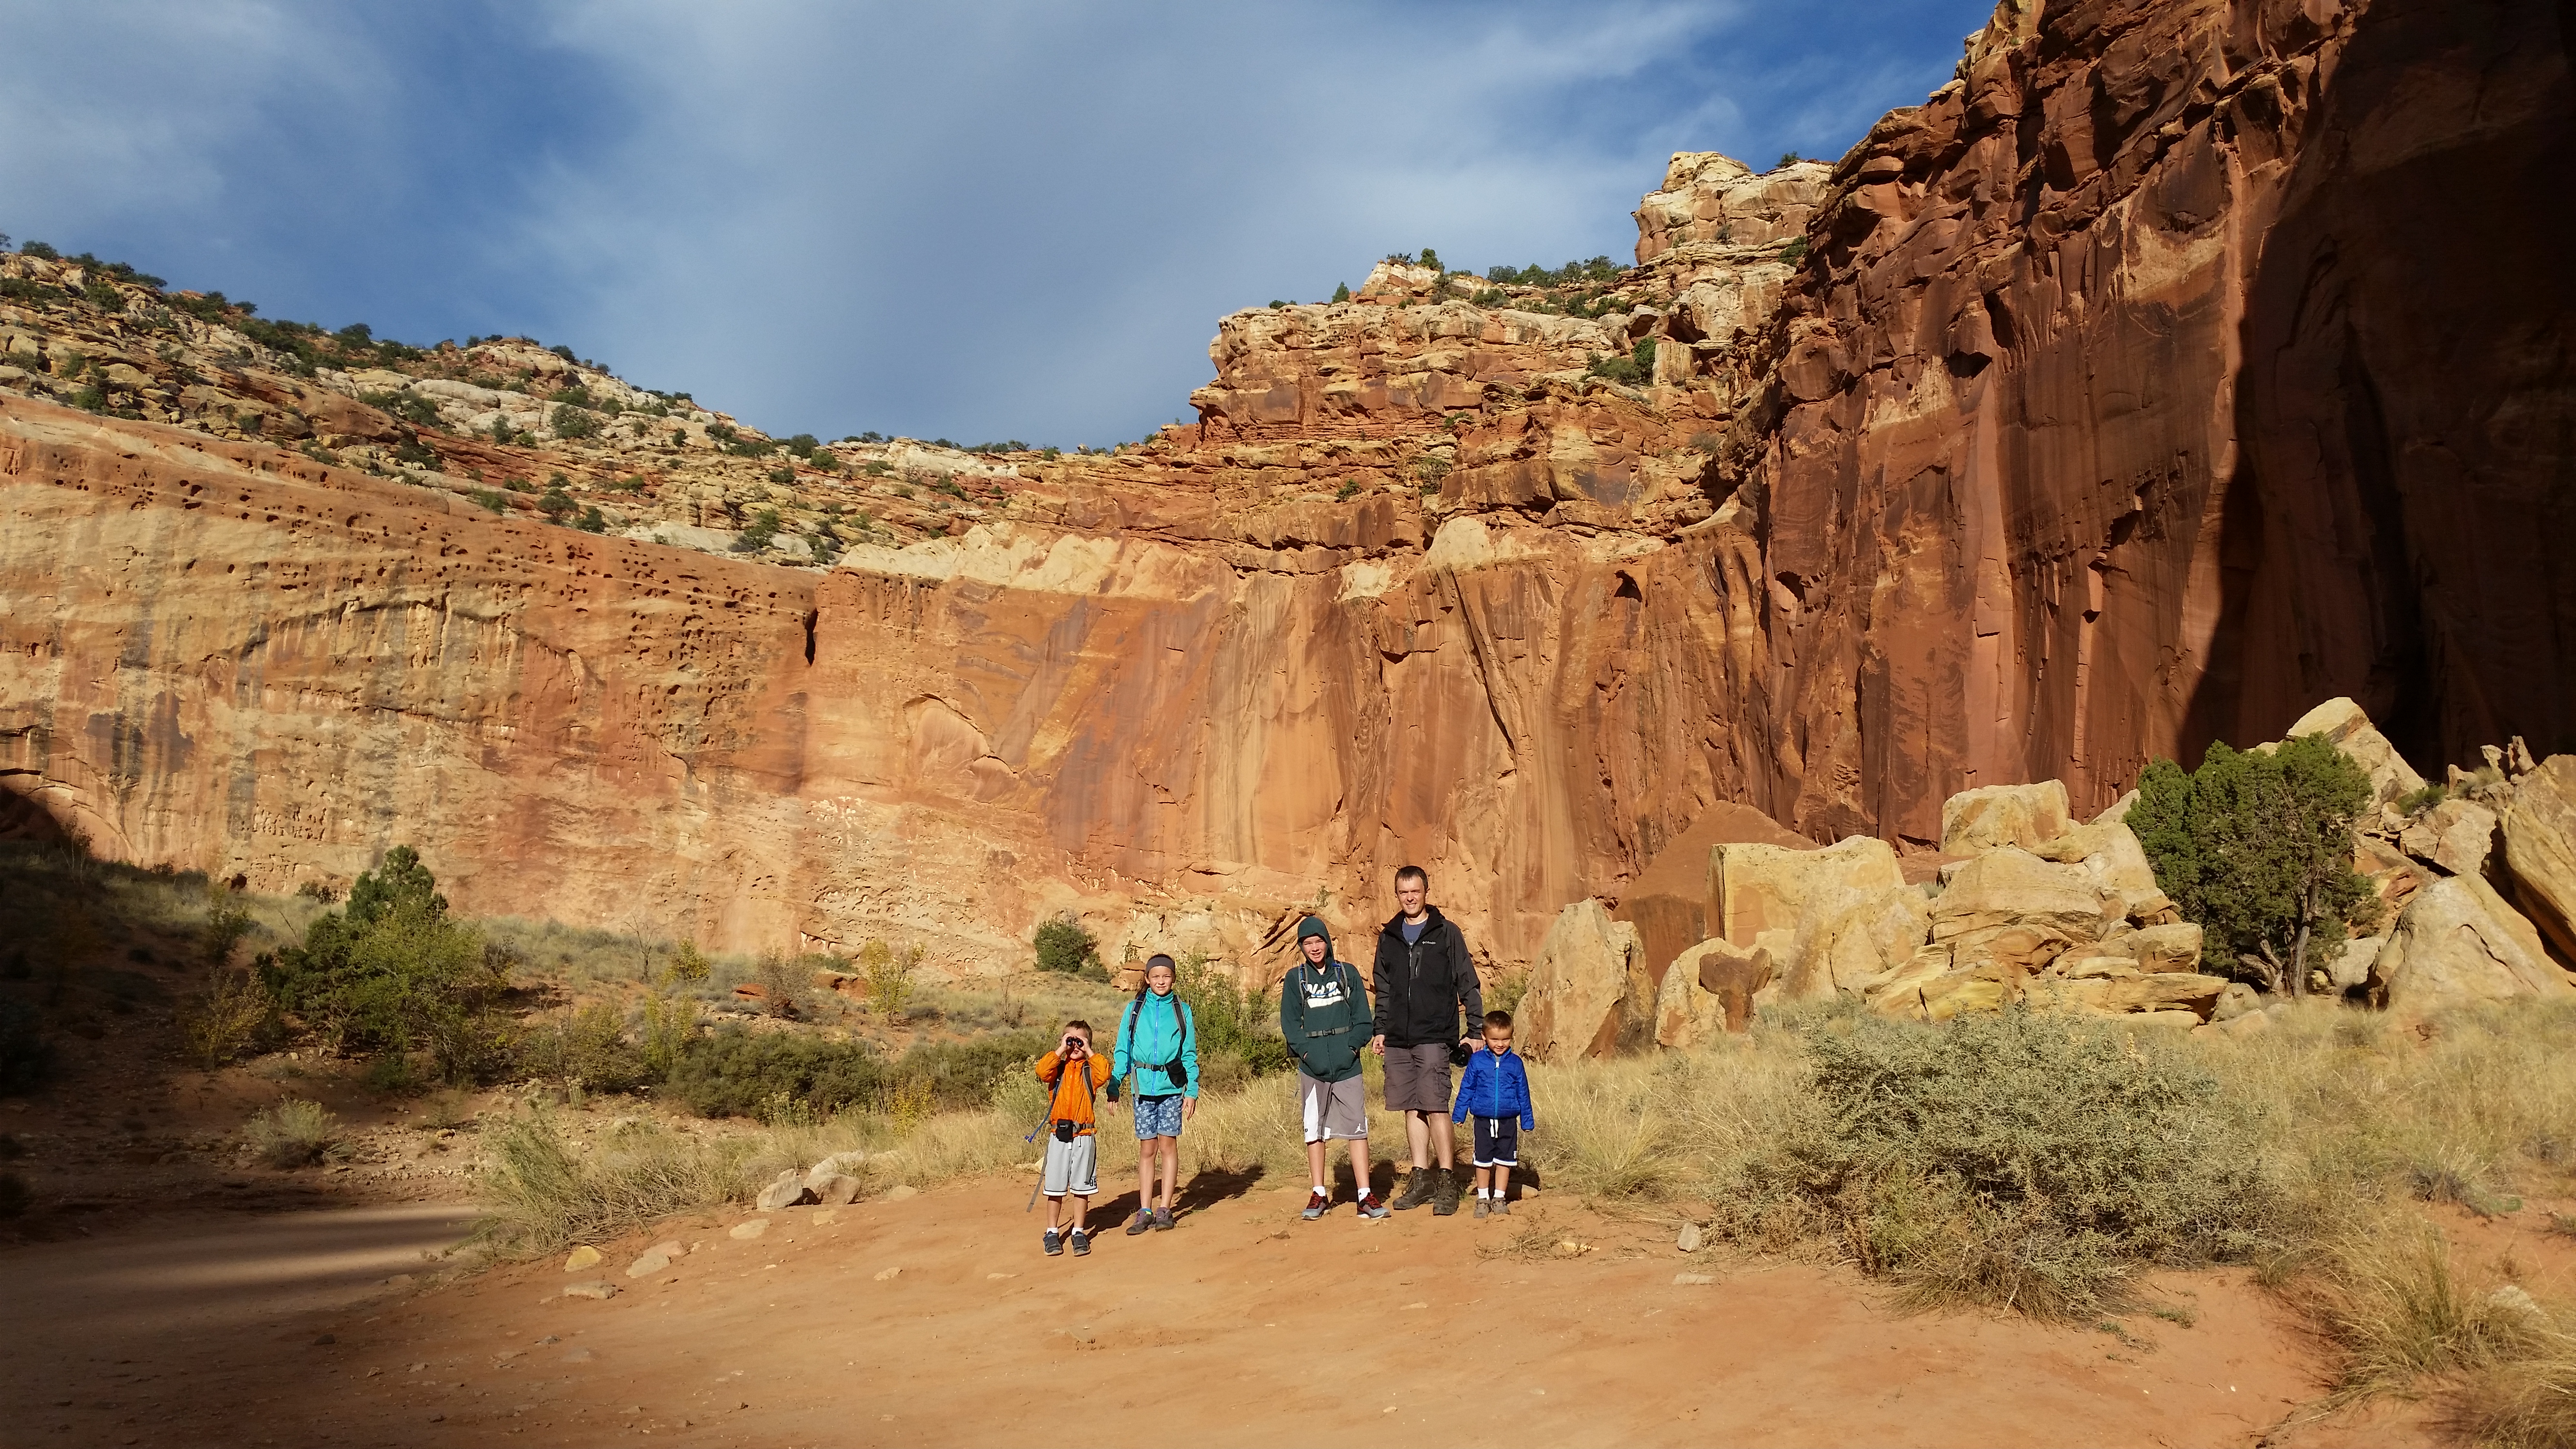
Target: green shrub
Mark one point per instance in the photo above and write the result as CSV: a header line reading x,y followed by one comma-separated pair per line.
x,y
886,976
1795,252
736,1072
1231,1020
492,498
585,1048
394,973
292,1134
762,533
2016,1160
1064,945
233,1016
2416,802
2257,848
962,1075
1341,291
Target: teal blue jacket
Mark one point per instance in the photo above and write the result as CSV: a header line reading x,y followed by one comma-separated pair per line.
x,y
1152,1033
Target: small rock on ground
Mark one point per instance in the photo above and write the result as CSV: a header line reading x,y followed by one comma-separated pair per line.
x,y
888,1275
582,1257
649,1263
1689,1240
602,1291
1693,1280
900,1191
751,1229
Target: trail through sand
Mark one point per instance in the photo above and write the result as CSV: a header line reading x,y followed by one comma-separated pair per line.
x,y
934,1319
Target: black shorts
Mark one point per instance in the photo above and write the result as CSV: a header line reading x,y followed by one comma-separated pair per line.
x,y
1498,1141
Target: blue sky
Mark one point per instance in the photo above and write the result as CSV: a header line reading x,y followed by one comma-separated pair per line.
x,y
972,221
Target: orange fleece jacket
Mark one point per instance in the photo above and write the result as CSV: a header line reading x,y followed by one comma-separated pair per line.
x,y
1072,1095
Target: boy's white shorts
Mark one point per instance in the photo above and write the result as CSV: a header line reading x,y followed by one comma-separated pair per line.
x,y
1072,1167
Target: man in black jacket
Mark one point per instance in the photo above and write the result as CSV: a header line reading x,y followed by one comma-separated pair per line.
x,y
1422,978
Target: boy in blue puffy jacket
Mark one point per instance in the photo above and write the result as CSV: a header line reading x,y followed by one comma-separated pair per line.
x,y
1496,1094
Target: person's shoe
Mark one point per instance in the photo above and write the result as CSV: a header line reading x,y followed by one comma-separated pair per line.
x,y
1140,1222
1163,1220
1502,1209
1417,1190
1316,1202
1081,1243
1484,1205
1370,1207
1444,1194
1054,1243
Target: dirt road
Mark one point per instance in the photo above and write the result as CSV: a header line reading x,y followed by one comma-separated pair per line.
x,y
934,1319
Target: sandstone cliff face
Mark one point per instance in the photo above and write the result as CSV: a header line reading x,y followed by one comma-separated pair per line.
x,y
2106,404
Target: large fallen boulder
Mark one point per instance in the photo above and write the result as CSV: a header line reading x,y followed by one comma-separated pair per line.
x,y
2540,850
2454,835
2023,816
2008,904
1589,993
2348,729
2461,942
1709,989
1832,919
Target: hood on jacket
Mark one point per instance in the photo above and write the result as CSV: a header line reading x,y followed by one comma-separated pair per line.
x,y
1313,926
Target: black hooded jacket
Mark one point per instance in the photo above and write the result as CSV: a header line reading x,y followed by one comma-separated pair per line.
x,y
1419,988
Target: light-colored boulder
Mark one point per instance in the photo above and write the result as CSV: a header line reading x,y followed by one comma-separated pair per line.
x,y
1589,993
582,1257
1754,888
1901,991
2119,867
648,1264
2236,1001
2454,835
2351,965
2344,724
2088,838
838,1190
2023,816
1707,990
2151,948
2393,877
1831,918
839,1164
2460,942
2165,991
2008,887
2540,850
786,1192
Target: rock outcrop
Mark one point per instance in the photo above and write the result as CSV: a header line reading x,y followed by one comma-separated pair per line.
x,y
2123,396
1589,995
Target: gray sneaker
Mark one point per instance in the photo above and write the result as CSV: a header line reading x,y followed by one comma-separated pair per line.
x,y
1163,1220
1484,1205
1370,1207
1140,1222
1417,1190
1054,1243
1502,1209
1316,1202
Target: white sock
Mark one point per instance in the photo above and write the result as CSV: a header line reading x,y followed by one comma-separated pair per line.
x,y
1321,1191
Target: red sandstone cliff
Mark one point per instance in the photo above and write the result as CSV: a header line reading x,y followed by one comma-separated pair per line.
x,y
2180,366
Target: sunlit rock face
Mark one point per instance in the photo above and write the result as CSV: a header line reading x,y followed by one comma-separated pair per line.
x,y
2140,388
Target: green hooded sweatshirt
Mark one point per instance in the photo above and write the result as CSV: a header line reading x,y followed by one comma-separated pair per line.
x,y
1324,1011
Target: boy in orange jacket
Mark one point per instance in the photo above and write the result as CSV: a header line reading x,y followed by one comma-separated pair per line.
x,y
1072,1156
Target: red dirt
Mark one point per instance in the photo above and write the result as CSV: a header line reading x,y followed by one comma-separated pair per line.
x,y
935,1319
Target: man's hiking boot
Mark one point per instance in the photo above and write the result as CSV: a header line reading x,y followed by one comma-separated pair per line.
x,y
1484,1205
1444,1193
1054,1243
1316,1202
1163,1220
1081,1243
1370,1207
1417,1190
1140,1222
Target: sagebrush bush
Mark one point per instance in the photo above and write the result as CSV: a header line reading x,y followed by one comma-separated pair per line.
x,y
1064,945
231,1017
540,1194
2012,1159
292,1134
735,1071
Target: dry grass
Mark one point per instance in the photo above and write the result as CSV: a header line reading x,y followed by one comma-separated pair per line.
x,y
292,1134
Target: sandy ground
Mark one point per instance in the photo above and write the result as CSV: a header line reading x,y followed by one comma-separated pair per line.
x,y
934,1319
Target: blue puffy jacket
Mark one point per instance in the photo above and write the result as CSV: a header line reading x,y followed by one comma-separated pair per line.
x,y
1495,1086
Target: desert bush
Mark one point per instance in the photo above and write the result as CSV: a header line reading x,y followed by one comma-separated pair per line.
x,y
784,985
227,921
231,1017
26,1057
886,977
394,973
1065,945
1232,1022
963,1075
587,1048
733,1071
2257,848
540,1193
2013,1160
292,1134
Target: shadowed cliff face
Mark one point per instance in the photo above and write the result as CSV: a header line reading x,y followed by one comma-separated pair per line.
x,y
2180,366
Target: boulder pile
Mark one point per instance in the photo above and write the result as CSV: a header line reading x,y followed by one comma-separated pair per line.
x,y
2026,904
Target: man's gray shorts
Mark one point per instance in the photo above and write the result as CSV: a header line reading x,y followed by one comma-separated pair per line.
x,y
1417,1077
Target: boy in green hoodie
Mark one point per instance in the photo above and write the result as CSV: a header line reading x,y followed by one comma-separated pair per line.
x,y
1324,1014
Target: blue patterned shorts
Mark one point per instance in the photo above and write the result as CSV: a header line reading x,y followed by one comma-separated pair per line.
x,y
1158,1117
